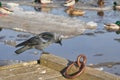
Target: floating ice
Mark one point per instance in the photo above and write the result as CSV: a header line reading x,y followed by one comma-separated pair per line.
x,y
37,22
91,25
100,69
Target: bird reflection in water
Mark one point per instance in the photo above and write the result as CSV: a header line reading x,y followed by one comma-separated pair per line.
x,y
0,29
100,13
42,9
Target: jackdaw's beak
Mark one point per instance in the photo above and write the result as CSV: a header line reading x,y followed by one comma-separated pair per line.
x,y
59,42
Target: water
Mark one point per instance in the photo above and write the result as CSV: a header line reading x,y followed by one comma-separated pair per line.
x,y
98,45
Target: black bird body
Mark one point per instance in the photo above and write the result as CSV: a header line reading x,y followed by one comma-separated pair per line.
x,y
39,42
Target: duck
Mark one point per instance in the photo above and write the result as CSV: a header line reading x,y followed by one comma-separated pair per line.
x,y
42,9
43,1
40,42
75,12
100,3
4,10
70,3
46,1
116,6
113,26
12,5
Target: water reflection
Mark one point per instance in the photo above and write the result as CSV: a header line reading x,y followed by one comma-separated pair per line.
x,y
117,39
0,29
100,13
89,34
42,9
74,12
1,36
94,33
118,32
37,8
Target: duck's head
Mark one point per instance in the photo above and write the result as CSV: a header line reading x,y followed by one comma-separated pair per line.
x,y
118,23
115,3
0,4
37,1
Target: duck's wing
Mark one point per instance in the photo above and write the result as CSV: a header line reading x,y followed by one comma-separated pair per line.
x,y
32,41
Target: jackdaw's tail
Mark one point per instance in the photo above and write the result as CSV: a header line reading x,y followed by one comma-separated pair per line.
x,y
24,48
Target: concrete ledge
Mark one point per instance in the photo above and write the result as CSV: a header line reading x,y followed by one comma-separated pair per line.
x,y
59,64
49,68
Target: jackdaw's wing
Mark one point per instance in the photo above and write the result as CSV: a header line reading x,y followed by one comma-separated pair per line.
x,y
30,42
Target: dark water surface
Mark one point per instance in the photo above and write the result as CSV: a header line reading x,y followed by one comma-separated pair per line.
x,y
98,45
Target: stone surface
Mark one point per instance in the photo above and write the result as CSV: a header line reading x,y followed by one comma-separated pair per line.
x,y
50,68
